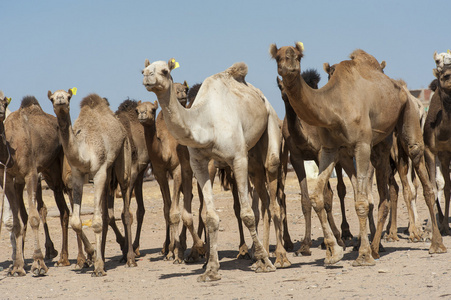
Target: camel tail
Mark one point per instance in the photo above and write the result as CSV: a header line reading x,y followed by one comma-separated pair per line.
x,y
238,71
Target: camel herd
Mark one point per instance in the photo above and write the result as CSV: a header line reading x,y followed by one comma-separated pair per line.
x,y
361,121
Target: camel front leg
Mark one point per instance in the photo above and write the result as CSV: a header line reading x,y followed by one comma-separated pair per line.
x,y
140,211
160,175
174,217
362,157
341,191
334,252
444,158
38,267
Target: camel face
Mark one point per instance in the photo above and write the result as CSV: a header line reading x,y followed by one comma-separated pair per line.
x,y
147,112
60,100
288,59
156,76
442,59
182,93
444,78
3,105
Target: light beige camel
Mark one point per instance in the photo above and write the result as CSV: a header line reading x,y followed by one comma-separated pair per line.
x,y
348,111
97,144
169,158
227,119
30,137
437,136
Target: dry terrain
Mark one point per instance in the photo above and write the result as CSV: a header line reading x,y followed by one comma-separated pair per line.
x,y
405,270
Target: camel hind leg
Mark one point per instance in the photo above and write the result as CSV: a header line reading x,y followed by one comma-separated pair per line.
x,y
410,136
445,161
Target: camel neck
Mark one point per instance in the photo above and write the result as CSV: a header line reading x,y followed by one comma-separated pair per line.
x,y
292,120
306,102
5,152
152,140
67,137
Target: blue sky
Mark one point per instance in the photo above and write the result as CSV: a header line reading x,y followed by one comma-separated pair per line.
x,y
100,46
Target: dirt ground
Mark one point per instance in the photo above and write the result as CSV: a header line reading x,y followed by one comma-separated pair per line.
x,y
405,270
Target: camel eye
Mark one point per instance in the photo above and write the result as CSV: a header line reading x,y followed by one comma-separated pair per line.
x,y
165,72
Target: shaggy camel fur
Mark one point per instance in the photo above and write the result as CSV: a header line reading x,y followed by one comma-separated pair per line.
x,y
30,137
437,136
169,157
303,143
86,155
349,124
228,118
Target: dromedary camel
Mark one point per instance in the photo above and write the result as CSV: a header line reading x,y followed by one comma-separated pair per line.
x,y
168,157
304,144
346,122
437,136
97,144
227,119
127,115
30,139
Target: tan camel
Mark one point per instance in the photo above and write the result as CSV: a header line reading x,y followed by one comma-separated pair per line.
x,y
304,144
127,115
103,160
30,137
222,125
348,123
437,136
169,158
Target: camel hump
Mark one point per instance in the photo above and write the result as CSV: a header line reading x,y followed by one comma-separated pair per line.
x,y
93,100
238,71
127,106
360,56
28,101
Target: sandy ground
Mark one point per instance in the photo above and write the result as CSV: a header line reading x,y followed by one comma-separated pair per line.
x,y
405,270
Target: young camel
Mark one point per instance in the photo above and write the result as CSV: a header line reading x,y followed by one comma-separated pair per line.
x,y
437,136
227,119
169,157
102,160
30,139
361,128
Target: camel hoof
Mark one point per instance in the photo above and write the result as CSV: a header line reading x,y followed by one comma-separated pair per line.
x,y
16,272
303,252
288,245
131,263
391,238
438,248
445,231
98,274
51,253
209,276
263,266
62,263
364,260
282,263
346,235
178,261
334,254
137,253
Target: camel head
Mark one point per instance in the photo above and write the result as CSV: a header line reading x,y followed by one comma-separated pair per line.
x,y
444,78
61,100
442,59
288,59
4,102
147,112
182,92
157,75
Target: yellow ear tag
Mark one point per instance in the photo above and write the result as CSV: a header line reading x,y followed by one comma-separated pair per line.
x,y
187,86
177,65
8,100
301,44
449,52
74,91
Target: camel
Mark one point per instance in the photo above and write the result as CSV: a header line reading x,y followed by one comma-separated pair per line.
x,y
169,157
227,119
30,140
303,143
437,136
127,115
86,155
361,128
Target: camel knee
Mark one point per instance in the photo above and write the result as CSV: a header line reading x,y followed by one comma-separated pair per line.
x,y
362,208
97,224
248,218
34,220
174,218
76,225
212,221
415,152
187,219
273,163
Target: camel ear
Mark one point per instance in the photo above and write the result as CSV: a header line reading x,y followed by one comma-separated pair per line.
x,y
139,102
273,51
146,63
383,64
300,47
435,72
435,56
326,67
156,104
49,95
186,84
172,64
